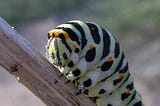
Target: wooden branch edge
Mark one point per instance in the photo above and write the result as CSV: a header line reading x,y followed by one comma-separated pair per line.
x,y
33,70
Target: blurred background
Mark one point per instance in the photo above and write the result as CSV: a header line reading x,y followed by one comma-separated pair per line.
x,y
136,24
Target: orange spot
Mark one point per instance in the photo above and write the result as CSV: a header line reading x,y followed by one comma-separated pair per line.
x,y
66,35
110,59
127,91
120,76
91,46
57,32
53,33
74,46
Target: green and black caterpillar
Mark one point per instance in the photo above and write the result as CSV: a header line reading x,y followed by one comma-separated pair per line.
x,y
92,58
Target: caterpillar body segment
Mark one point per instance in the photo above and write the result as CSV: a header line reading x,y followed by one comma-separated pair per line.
x,y
92,58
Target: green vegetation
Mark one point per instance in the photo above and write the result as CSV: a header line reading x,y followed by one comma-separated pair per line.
x,y
136,21
125,17
128,15
16,11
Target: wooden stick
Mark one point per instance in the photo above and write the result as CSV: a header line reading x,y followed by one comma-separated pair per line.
x,y
33,70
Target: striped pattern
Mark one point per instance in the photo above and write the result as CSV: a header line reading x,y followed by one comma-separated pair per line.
x,y
92,58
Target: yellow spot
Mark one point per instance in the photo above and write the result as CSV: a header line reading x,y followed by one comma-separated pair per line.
x,y
91,46
74,46
120,76
110,59
57,32
53,33
127,91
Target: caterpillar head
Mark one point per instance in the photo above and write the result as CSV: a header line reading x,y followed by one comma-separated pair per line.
x,y
57,52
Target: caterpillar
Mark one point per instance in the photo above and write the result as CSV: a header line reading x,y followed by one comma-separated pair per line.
x,y
91,57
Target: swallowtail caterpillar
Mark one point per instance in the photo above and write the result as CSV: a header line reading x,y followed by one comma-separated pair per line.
x,y
92,58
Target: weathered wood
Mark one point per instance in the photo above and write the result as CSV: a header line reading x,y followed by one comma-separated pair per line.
x,y
35,72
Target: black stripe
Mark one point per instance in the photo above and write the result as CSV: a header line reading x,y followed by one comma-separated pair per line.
x,y
94,32
80,29
130,86
106,43
73,36
117,68
124,70
138,103
116,81
124,96
104,79
64,42
125,80
120,64
132,98
116,50
106,65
